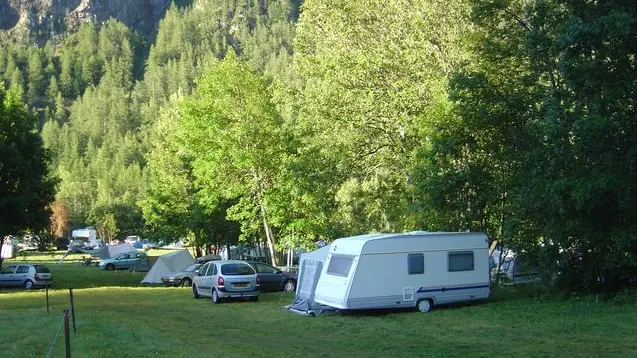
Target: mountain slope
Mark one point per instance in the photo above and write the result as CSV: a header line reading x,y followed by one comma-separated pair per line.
x,y
40,20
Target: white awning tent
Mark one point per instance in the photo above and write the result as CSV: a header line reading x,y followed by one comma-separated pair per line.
x,y
173,261
310,267
104,252
517,271
9,248
110,251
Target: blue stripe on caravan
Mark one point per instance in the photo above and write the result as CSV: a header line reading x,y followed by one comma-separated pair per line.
x,y
422,289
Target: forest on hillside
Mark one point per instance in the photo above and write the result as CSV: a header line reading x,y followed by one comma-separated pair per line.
x,y
285,123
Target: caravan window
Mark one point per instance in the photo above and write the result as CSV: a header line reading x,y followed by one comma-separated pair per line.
x,y
340,265
461,261
416,264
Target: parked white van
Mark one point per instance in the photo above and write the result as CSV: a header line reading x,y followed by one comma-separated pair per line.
x,y
416,269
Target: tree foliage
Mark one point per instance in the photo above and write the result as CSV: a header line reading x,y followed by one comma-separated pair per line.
x,y
235,137
257,120
26,187
59,220
375,73
547,122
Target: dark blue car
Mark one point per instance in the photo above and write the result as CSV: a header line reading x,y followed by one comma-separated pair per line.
x,y
273,279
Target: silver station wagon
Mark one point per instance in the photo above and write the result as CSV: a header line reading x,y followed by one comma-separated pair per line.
x,y
26,275
226,279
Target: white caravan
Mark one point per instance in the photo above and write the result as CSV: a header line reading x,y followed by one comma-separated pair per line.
x,y
416,269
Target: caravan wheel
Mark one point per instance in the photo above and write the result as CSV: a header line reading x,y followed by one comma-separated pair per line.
x,y
424,305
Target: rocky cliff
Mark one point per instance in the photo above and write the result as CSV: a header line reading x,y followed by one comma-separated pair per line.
x,y
40,20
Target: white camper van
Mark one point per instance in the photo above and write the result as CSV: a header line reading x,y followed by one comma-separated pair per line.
x,y
416,269
84,239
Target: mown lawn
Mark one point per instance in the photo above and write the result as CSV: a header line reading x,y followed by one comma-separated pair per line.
x,y
125,319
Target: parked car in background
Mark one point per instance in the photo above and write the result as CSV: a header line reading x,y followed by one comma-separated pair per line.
x,y
125,260
26,275
182,278
147,245
225,279
273,279
132,239
206,258
28,243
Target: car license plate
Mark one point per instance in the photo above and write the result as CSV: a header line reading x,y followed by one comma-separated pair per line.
x,y
241,284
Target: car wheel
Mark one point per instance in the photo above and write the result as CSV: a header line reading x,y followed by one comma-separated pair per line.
x,y
28,284
185,282
289,286
424,305
110,267
215,296
194,291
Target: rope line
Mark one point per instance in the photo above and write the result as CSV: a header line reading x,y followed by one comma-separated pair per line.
x,y
57,334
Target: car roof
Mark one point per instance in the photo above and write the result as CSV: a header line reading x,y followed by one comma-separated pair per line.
x,y
260,262
24,264
192,264
221,262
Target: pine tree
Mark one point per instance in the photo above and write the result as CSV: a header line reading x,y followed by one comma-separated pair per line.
x,y
35,79
67,75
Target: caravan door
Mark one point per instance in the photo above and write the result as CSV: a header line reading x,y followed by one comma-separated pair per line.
x,y
334,283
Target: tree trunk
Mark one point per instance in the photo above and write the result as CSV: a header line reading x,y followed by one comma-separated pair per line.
x,y
494,244
268,233
259,249
1,246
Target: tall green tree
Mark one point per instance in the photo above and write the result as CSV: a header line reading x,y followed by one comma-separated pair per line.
x,y
105,96
35,78
547,109
234,134
375,73
26,187
170,198
171,205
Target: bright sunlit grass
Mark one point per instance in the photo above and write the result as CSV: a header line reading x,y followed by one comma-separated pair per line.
x,y
118,317
56,256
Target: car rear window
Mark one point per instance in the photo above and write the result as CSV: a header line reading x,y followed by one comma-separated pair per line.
x,y
42,269
236,269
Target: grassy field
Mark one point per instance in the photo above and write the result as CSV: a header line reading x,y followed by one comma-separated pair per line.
x,y
118,317
70,274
